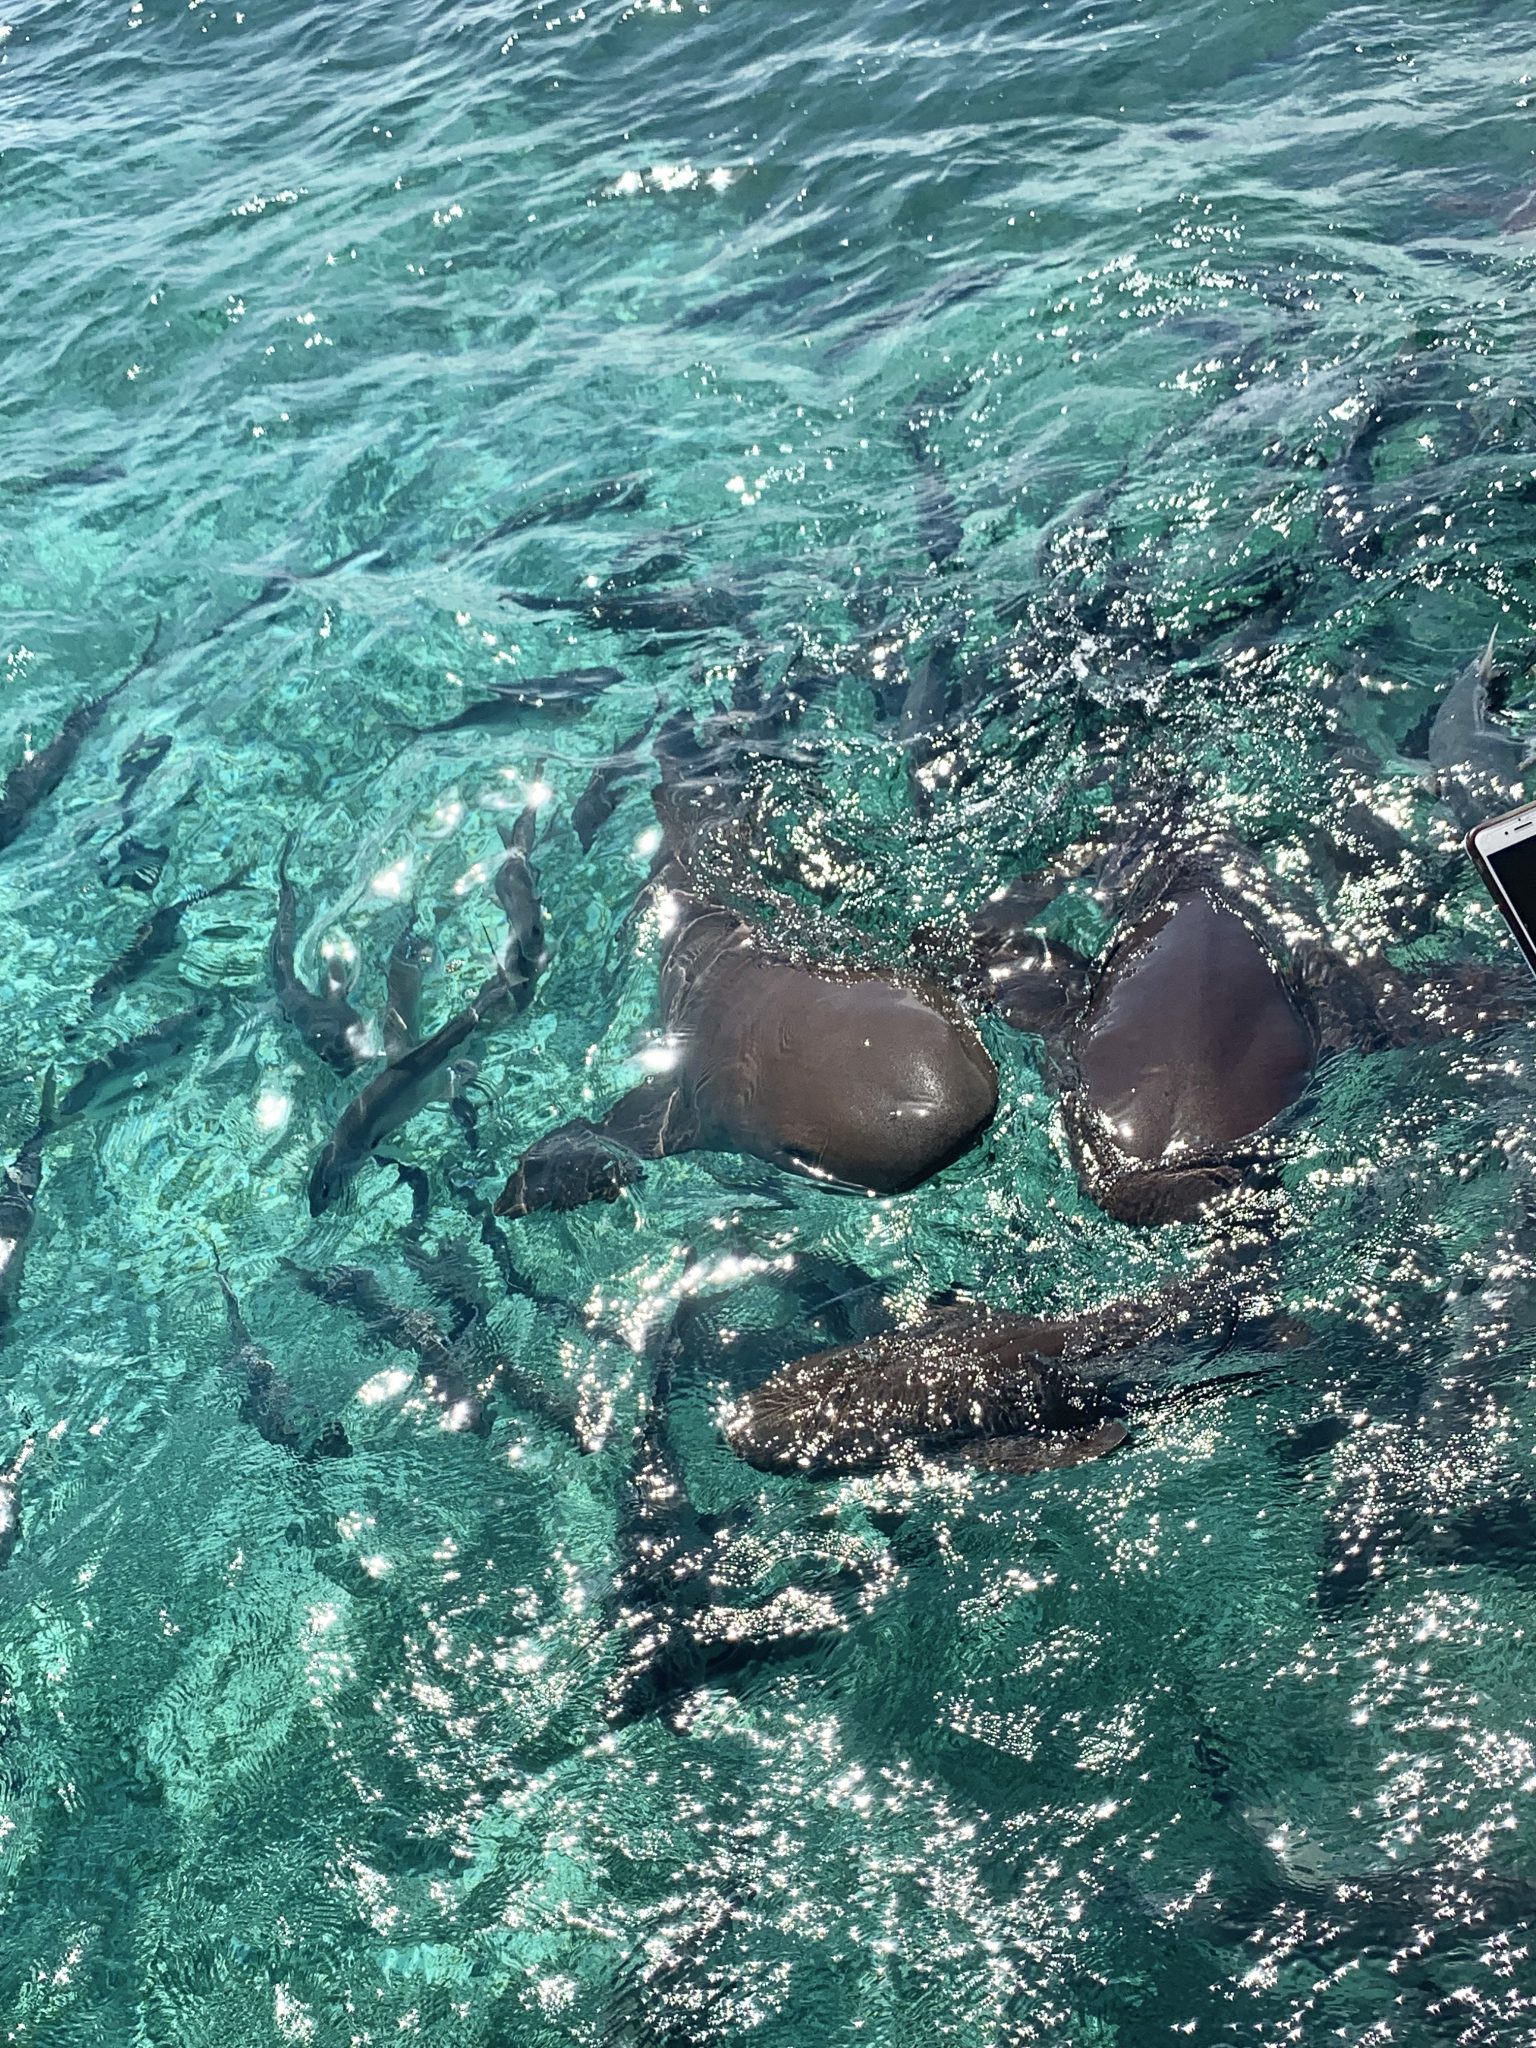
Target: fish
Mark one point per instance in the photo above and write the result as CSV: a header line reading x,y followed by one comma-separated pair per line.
x,y
412,954
927,713
126,858
677,608
457,1368
282,582
600,799
1000,1392
671,1631
649,570
938,518
128,1065
327,1022
1478,764
516,888
954,290
492,1236
417,1180
449,1274
68,479
853,1078
123,858
421,1074
134,862
571,690
777,293
10,1501
154,939
267,1402
140,760
440,1361
418,1076
561,508
37,775
18,1201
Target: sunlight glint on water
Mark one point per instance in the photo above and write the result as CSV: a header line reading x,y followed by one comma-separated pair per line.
x,y
1226,1738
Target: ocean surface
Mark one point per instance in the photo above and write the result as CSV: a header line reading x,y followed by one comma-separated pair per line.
x,y
1176,362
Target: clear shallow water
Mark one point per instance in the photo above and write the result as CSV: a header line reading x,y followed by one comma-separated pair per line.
x,y
1228,1738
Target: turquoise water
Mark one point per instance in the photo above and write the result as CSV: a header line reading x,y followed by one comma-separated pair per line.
x,y
1228,1738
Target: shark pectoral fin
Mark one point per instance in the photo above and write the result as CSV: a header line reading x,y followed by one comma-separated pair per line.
x,y
654,1121
1044,1453
572,1166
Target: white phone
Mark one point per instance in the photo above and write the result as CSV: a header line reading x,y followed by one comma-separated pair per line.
x,y
1504,849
